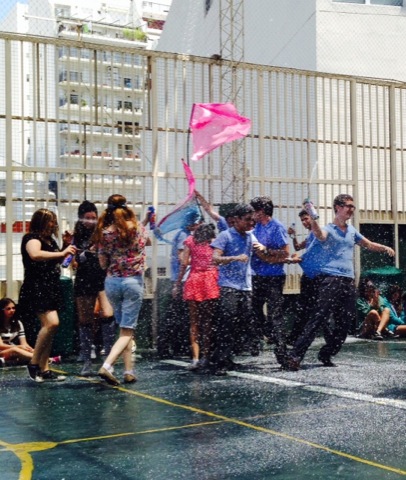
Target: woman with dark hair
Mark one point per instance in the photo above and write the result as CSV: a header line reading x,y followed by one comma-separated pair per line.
x,y
14,347
89,288
200,290
121,240
40,292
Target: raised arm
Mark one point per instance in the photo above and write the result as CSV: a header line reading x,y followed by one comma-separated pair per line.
x,y
207,207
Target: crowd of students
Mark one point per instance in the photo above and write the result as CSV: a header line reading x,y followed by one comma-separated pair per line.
x,y
225,281
381,317
250,252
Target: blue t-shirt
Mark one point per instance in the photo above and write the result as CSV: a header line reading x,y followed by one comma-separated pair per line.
x,y
235,274
222,224
177,244
274,236
334,256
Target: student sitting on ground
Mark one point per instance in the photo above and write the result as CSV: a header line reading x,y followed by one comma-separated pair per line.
x,y
374,317
396,303
14,348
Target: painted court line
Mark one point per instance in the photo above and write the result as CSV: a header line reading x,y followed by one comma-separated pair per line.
x,y
363,397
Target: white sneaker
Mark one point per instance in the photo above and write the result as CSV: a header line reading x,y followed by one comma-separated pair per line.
x,y
194,365
93,355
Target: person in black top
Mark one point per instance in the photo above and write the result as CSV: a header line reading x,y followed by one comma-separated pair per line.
x,y
89,288
41,291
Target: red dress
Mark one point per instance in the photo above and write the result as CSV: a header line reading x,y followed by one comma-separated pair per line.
x,y
201,283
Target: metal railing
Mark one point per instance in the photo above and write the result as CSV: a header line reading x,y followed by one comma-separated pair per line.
x,y
312,134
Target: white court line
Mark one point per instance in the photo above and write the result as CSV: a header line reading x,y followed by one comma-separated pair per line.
x,y
262,378
325,390
363,397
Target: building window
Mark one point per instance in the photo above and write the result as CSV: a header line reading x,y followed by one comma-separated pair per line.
x,y
395,3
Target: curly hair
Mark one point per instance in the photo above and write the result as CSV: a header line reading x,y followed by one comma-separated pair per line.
x,y
263,203
204,233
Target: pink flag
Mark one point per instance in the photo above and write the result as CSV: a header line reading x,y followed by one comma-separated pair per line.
x,y
213,124
185,212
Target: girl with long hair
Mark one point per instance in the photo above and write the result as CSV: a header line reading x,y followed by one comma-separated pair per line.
x,y
14,347
41,292
121,240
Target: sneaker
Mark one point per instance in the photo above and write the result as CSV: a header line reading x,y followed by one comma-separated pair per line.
x,y
204,363
34,373
108,376
326,361
291,364
50,376
87,370
377,336
390,334
194,365
129,378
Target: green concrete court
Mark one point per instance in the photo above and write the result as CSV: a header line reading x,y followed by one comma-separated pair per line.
x,y
256,423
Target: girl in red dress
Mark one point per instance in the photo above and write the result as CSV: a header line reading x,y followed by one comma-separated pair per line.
x,y
200,290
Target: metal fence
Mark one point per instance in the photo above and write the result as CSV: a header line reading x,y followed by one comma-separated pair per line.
x,y
82,121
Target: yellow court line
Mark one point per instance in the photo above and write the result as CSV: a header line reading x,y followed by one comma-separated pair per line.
x,y
23,450
263,430
23,454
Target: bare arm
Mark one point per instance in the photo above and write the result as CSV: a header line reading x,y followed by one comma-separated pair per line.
x,y
33,248
207,207
184,257
376,247
319,233
103,261
271,256
24,344
220,259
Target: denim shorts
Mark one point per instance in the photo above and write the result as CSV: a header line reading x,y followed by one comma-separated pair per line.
x,y
125,295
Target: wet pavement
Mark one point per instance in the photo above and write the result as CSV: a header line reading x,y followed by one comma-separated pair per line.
x,y
255,423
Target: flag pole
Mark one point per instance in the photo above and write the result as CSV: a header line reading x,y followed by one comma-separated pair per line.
x,y
188,137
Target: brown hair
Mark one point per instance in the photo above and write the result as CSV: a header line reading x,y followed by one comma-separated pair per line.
x,y
40,220
118,214
340,200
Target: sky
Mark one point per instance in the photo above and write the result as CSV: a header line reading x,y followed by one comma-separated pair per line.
x,y
6,5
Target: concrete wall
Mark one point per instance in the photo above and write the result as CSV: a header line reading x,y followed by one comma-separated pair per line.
x,y
321,35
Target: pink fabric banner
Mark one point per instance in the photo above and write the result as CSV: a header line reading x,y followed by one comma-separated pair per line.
x,y
185,213
213,124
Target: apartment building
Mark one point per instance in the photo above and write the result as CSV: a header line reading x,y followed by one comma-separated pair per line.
x,y
89,92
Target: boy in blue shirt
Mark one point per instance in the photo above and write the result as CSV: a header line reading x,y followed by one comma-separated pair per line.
x,y
232,251
329,259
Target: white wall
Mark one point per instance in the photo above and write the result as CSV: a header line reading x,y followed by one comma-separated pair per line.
x,y
321,35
